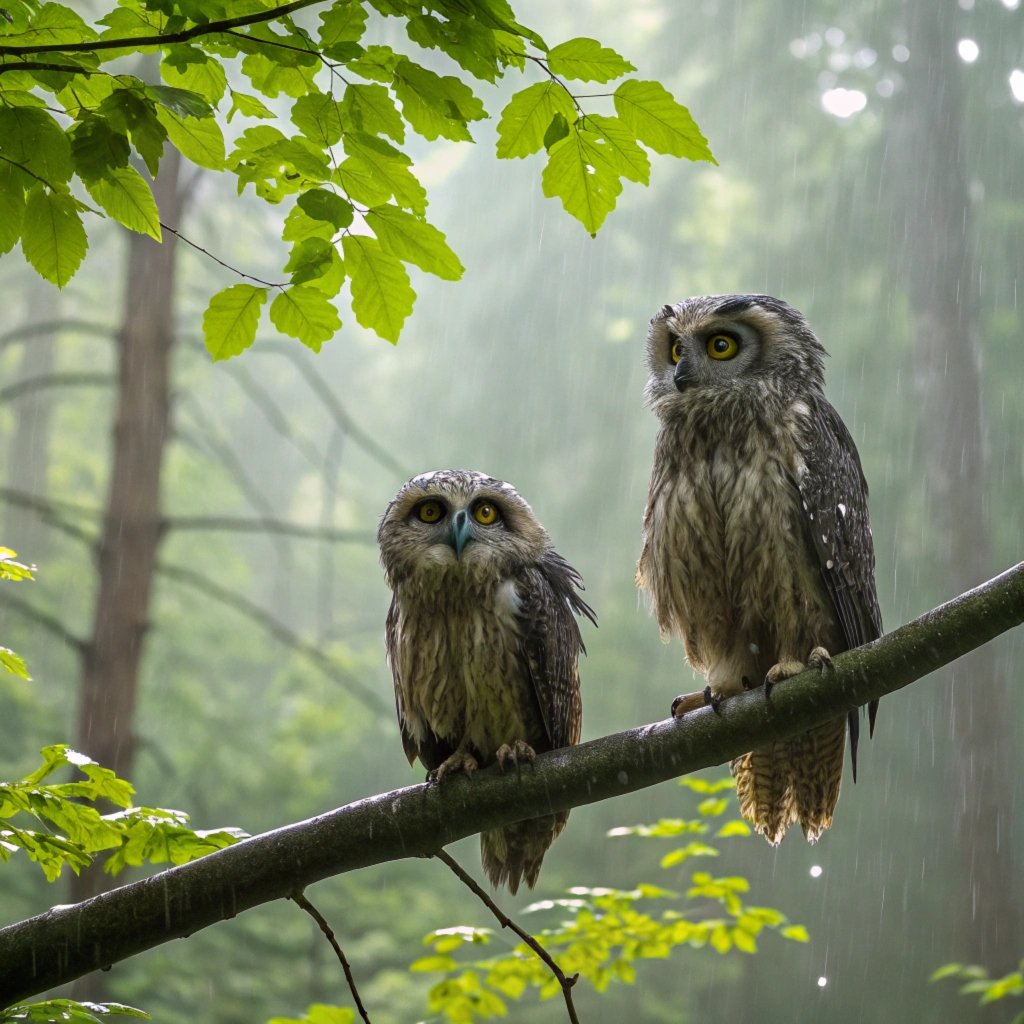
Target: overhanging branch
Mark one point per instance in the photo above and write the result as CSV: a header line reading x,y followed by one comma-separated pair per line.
x,y
68,942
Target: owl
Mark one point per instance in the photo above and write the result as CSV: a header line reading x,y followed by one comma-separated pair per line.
x,y
756,546
483,642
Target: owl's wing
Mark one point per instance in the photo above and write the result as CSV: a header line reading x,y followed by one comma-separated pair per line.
x,y
834,495
552,643
433,750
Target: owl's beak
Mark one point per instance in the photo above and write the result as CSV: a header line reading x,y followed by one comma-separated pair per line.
x,y
459,534
682,376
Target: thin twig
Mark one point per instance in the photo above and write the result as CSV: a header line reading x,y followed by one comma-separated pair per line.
x,y
265,524
300,899
506,922
227,266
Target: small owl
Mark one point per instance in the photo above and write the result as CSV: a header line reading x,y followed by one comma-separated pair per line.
x,y
482,641
756,544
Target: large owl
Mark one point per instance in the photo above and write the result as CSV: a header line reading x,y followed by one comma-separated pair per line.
x,y
756,548
482,641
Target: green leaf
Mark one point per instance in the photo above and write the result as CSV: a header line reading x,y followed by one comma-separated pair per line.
x,y
469,42
9,568
370,108
796,932
579,174
318,117
945,971
375,172
53,238
305,313
529,115
733,828
433,963
198,138
183,102
32,139
127,197
705,786
382,297
713,806
586,60
96,149
658,121
310,259
340,25
627,159
230,321
12,205
67,1011
249,106
140,117
55,23
322,204
414,240
189,68
14,663
435,105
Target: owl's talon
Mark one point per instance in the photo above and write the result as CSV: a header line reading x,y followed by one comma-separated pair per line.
x,y
687,702
820,659
518,753
460,761
710,698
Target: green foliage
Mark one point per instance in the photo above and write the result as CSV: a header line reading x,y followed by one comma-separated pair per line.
x,y
353,102
67,1011
76,832
16,572
607,930
978,982
319,1013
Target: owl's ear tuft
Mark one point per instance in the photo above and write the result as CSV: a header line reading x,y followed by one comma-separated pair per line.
x,y
664,313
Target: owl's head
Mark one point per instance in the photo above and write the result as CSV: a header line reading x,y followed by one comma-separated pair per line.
x,y
458,521
754,347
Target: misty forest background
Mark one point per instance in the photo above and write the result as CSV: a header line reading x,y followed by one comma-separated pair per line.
x,y
869,174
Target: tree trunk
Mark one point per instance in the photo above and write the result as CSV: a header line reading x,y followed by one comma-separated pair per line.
x,y
131,527
942,285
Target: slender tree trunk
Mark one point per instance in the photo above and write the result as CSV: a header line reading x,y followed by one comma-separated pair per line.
x,y
29,451
131,528
942,282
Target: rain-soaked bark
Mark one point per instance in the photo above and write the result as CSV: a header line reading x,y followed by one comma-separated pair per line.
x,y
417,821
132,520
929,144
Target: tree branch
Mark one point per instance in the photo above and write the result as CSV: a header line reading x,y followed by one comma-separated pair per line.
x,y
133,43
67,942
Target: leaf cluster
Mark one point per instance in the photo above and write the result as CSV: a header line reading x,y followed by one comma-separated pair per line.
x,y
70,126
15,572
73,831
607,930
67,1011
977,981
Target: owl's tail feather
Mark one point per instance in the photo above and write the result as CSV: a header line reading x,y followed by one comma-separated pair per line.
x,y
514,853
765,789
817,758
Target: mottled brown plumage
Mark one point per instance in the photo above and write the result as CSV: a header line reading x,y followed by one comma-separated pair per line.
x,y
482,641
757,549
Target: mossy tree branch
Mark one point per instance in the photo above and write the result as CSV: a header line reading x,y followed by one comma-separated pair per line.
x,y
70,941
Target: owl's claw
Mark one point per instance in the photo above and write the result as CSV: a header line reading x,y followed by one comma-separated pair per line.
x,y
518,753
687,702
710,698
819,658
460,761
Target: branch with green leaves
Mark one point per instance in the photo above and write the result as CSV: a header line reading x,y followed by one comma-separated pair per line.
x,y
68,942
325,115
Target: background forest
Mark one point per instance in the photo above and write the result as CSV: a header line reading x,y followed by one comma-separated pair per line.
x,y
869,173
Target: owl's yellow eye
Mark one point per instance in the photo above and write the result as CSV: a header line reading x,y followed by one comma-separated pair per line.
x,y
676,352
485,513
430,511
722,346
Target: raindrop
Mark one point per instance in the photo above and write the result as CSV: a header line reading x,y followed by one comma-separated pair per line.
x,y
968,50
822,981
900,53
843,102
864,57
1017,84
834,36
816,870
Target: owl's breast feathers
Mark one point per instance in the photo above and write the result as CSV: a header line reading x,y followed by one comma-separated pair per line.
x,y
484,662
725,557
